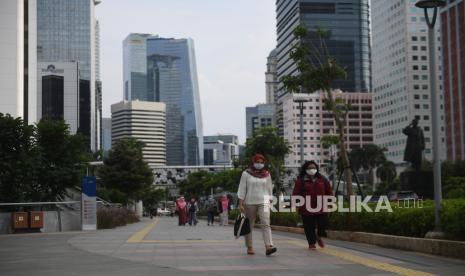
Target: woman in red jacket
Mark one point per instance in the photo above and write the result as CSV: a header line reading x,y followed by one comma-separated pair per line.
x,y
310,184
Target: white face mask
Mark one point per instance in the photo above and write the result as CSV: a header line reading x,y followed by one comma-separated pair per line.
x,y
311,172
259,166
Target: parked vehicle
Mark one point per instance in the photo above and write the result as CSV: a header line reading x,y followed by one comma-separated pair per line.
x,y
163,211
402,195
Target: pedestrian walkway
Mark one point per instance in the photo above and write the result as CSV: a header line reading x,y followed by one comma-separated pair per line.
x,y
213,249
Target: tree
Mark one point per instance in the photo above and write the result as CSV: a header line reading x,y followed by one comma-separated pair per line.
x,y
125,169
317,72
60,160
267,142
386,171
16,144
368,157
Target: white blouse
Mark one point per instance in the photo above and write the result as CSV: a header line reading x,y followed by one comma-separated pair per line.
x,y
254,190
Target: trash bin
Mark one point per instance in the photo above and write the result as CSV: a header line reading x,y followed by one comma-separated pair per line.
x,y
36,219
20,220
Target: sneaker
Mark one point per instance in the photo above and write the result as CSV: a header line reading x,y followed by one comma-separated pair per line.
x,y
312,247
321,244
271,251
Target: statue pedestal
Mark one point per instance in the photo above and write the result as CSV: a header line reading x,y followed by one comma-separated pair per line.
x,y
420,182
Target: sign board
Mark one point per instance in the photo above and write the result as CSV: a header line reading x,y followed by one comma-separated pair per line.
x,y
89,203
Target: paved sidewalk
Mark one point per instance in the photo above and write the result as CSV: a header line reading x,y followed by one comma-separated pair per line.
x,y
160,247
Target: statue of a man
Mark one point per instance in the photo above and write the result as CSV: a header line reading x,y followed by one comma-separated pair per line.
x,y
415,144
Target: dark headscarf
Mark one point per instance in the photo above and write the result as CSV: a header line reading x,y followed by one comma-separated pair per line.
x,y
257,173
303,169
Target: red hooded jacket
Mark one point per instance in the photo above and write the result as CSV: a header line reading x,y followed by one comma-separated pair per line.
x,y
320,186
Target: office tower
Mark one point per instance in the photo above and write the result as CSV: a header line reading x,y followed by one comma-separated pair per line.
x,y
106,135
347,23
401,76
319,122
144,121
453,52
67,32
58,92
18,59
172,79
259,116
135,67
271,78
221,149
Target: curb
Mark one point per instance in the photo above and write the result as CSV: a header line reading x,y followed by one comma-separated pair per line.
x,y
445,248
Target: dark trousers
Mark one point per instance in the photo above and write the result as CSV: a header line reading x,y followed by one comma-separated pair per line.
x,y
310,223
210,217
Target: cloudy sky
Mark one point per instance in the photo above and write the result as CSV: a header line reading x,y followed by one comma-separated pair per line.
x,y
232,40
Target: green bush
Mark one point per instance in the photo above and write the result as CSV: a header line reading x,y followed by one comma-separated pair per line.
x,y
108,218
454,187
410,222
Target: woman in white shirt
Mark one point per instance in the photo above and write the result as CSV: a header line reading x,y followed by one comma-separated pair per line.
x,y
254,193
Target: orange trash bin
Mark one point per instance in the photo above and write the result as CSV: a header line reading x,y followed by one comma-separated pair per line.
x,y
20,220
36,219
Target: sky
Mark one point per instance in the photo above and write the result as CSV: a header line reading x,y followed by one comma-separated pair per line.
x,y
232,40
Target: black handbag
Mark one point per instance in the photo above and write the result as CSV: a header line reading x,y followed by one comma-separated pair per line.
x,y
241,226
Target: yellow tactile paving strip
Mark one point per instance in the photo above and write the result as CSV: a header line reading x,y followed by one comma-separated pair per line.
x,y
139,236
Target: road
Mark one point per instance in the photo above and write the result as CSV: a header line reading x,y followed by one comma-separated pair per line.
x,y
160,247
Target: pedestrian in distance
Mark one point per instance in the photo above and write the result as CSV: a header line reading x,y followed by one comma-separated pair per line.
x,y
225,206
181,210
310,184
193,209
211,209
254,193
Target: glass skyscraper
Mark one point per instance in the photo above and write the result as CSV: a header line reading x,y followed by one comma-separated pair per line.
x,y
347,22
164,70
67,31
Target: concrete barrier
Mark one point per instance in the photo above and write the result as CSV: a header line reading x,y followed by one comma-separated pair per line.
x,y
70,221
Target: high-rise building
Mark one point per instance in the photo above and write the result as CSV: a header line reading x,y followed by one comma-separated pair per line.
x,y
144,121
18,43
453,50
172,79
67,31
135,67
259,116
220,149
106,135
401,76
271,78
318,122
347,23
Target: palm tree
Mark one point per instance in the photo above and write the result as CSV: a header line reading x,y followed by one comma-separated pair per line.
x,y
368,157
318,70
386,171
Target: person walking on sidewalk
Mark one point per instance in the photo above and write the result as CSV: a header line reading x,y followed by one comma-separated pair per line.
x,y
193,209
181,209
311,185
254,193
211,209
225,206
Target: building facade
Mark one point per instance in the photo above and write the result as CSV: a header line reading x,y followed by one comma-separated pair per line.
x,y
271,78
401,76
135,67
58,93
144,121
221,149
453,50
172,79
348,27
106,135
18,59
67,31
318,122
261,115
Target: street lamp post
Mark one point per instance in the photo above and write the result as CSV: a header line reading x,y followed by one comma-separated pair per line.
x,y
426,5
301,98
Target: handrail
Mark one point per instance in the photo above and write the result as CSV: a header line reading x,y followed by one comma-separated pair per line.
x,y
42,203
